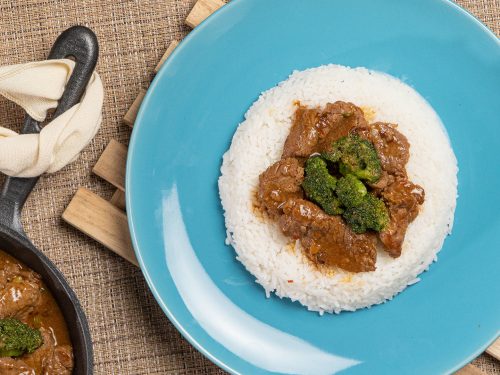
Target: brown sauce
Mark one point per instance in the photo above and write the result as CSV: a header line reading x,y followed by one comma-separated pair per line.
x,y
327,240
24,296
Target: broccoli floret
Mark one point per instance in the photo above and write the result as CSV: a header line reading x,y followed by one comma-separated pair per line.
x,y
332,207
370,214
333,155
350,191
319,186
356,156
17,338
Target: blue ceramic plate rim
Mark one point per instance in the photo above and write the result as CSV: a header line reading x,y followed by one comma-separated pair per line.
x,y
134,140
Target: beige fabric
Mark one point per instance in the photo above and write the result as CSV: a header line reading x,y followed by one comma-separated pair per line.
x,y
131,334
37,87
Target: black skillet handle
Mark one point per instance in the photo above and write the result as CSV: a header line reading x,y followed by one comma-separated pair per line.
x,y
79,43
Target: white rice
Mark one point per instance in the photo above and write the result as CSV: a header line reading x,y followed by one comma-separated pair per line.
x,y
258,142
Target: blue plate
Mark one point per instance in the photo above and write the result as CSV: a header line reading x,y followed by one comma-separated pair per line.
x,y
186,123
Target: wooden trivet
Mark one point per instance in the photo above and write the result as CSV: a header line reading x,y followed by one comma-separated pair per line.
x,y
106,221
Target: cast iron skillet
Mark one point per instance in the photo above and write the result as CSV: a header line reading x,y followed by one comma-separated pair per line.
x,y
79,43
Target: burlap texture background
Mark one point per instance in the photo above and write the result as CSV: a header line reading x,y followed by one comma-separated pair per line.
x,y
131,335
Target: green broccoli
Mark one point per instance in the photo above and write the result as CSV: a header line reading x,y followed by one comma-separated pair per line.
x,y
370,214
17,338
319,186
350,191
356,156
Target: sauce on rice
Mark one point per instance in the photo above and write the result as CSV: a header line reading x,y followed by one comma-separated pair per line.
x,y
330,238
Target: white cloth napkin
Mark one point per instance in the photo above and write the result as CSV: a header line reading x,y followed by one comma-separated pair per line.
x,y
37,87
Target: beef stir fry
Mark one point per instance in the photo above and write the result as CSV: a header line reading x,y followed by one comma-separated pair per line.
x,y
341,186
34,338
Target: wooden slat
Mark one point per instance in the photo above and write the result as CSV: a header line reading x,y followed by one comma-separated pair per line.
x,y
112,164
494,349
201,10
167,53
99,219
118,199
470,370
131,114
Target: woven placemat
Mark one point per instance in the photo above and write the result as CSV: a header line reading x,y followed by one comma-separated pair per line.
x,y
131,335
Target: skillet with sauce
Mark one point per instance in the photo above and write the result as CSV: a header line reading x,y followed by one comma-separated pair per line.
x,y
52,353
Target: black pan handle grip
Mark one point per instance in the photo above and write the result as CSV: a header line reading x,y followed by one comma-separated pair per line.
x,y
80,44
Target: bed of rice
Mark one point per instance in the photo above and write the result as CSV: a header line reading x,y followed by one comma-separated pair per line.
x,y
279,264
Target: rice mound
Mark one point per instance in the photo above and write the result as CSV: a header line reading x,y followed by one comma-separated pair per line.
x,y
279,264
